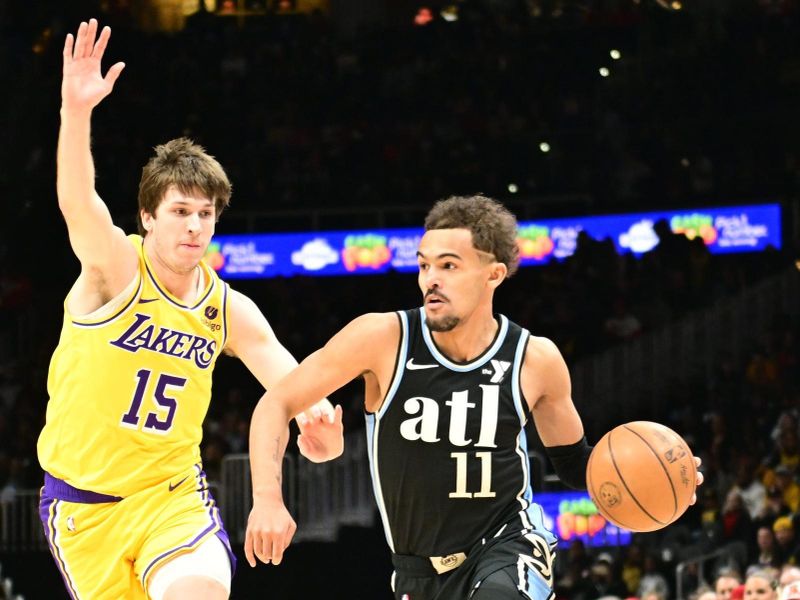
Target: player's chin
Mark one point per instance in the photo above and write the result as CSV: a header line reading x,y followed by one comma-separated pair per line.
x,y
442,323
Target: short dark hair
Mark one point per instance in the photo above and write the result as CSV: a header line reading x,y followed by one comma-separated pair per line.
x,y
187,166
493,226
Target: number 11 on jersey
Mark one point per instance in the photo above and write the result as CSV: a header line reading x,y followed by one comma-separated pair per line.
x,y
461,476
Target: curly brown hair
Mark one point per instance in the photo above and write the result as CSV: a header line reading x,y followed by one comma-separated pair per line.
x,y
187,166
493,226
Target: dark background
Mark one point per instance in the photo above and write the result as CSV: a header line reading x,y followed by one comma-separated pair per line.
x,y
352,116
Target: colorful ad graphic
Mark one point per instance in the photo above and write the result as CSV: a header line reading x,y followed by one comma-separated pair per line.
x,y
367,250
573,515
723,230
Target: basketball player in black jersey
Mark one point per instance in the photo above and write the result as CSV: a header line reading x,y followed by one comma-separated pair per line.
x,y
449,388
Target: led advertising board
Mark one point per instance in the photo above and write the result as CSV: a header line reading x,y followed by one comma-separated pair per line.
x,y
723,230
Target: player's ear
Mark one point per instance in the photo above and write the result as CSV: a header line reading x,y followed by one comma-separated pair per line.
x,y
497,273
147,220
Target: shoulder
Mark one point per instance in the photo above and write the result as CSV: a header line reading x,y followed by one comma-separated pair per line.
x,y
376,326
544,370
246,322
238,302
541,350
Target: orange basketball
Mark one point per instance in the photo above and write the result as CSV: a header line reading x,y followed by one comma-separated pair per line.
x,y
641,476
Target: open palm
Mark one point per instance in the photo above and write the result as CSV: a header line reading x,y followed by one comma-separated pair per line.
x,y
83,85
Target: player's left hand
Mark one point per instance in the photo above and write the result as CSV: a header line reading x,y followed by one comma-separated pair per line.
x,y
321,432
700,478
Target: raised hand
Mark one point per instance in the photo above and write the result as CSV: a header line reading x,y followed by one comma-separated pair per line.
x,y
83,85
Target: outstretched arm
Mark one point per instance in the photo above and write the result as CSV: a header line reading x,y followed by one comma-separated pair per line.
x,y
252,340
356,349
108,260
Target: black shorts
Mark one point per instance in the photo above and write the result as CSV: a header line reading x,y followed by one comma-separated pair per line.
x,y
509,567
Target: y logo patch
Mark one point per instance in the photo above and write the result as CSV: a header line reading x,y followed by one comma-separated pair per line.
x,y
500,369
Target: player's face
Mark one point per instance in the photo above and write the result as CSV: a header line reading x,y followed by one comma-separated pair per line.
x,y
756,588
181,228
724,587
453,277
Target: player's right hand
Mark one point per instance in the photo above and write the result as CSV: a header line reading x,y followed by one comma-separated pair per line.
x,y
83,85
270,529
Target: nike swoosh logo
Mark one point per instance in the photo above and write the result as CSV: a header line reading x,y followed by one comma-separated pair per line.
x,y
414,367
172,487
146,300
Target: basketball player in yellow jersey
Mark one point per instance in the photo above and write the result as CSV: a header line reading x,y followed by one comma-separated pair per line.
x,y
125,506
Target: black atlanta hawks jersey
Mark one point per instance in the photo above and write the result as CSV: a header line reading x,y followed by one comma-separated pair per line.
x,y
447,448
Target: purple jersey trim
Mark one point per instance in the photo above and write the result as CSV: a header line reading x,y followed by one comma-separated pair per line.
x,y
61,490
166,295
224,313
47,504
116,314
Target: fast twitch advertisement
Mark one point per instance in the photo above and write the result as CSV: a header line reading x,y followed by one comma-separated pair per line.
x,y
723,230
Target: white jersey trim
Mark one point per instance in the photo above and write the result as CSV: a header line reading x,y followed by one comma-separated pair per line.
x,y
522,442
462,368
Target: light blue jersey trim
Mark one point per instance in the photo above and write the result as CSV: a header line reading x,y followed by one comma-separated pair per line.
x,y
446,362
525,495
374,424
401,362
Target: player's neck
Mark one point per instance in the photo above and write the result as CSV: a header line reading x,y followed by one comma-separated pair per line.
x,y
470,338
183,285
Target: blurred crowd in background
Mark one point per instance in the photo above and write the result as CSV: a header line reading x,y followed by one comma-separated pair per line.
x,y
698,108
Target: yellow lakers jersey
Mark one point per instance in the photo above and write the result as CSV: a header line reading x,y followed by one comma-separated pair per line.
x,y
129,390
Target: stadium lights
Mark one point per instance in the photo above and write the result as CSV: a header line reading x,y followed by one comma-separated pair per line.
x,y
604,72
615,54
544,147
450,13
424,16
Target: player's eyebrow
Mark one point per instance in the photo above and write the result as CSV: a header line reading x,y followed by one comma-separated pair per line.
x,y
440,256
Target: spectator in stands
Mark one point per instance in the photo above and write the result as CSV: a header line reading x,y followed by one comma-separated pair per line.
x,y
789,574
632,568
775,505
727,580
767,550
750,489
790,592
761,585
575,569
788,548
653,581
703,593
601,581
787,486
736,523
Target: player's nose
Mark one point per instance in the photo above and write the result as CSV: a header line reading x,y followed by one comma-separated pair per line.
x,y
193,222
